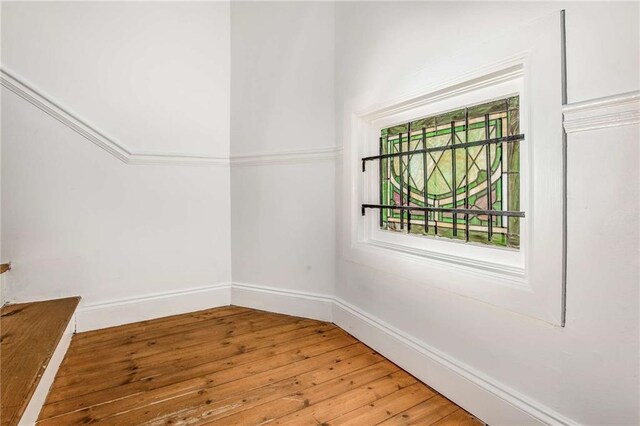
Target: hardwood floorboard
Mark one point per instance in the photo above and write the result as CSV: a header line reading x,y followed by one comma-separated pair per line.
x,y
248,341
212,402
349,374
335,405
383,408
155,331
182,371
321,403
163,323
231,356
30,335
234,366
458,418
116,401
160,388
146,347
425,413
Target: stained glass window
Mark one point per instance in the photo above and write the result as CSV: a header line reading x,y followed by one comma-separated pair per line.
x,y
468,159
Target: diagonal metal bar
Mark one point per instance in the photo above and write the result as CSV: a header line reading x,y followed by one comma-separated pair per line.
x,y
437,167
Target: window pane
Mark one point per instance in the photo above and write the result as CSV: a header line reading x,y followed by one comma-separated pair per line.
x,y
483,176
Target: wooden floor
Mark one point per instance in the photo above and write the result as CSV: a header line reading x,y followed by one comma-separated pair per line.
x,y
236,366
30,333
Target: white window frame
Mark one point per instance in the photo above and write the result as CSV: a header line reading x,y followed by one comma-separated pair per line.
x,y
499,259
526,62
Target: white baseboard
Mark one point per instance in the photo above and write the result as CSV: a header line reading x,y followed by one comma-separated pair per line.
x,y
124,311
31,413
297,303
491,401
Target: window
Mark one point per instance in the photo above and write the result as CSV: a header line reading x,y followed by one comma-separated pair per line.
x,y
520,270
454,175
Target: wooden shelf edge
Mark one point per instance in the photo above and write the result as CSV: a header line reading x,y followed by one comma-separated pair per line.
x,y
4,267
56,314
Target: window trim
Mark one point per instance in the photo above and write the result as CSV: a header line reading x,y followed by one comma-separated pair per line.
x,y
532,51
500,260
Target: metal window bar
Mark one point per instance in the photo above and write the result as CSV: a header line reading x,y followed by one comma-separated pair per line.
x,y
507,139
454,192
487,150
500,194
389,170
401,173
466,175
408,168
505,170
505,213
504,141
435,164
424,178
381,175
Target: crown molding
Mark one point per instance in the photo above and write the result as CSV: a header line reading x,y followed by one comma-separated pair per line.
x,y
611,111
89,132
287,157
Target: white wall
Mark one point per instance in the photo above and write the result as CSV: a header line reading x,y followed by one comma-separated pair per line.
x,y
153,75
281,102
77,221
278,78
564,369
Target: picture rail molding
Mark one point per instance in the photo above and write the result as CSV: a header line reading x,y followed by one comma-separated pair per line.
x,y
117,149
611,111
287,157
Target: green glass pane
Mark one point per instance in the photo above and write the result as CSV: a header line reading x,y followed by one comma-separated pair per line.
x,y
478,177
